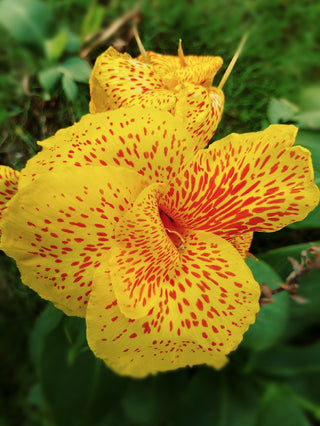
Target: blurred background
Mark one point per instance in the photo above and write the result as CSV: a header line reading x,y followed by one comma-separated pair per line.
x,y
48,376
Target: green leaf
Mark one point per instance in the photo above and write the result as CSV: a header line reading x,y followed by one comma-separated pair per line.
x,y
70,88
279,258
308,120
310,98
73,44
309,289
28,21
295,366
223,398
76,69
92,20
153,400
47,321
79,394
281,111
279,407
55,46
272,319
75,329
48,78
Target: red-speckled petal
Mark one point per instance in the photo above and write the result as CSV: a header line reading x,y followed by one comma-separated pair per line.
x,y
58,227
201,110
162,99
193,69
115,79
245,183
9,179
242,243
119,81
151,142
142,256
207,304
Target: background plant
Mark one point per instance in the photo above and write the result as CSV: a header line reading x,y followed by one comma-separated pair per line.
x,y
49,375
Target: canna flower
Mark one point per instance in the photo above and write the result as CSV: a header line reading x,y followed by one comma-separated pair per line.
x,y
181,85
116,220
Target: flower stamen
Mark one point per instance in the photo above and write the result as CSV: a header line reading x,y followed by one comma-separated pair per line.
x,y
233,62
181,54
172,231
143,52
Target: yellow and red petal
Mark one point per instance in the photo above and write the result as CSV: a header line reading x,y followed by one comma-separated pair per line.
x,y
201,111
242,243
115,79
142,256
245,183
151,142
58,227
9,179
208,302
199,70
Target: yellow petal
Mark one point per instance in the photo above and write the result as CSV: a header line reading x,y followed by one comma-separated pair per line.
x,y
201,111
115,79
242,243
151,142
165,84
198,69
245,183
9,179
142,256
58,227
207,303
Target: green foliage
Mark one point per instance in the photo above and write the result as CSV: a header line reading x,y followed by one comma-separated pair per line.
x,y
272,320
273,377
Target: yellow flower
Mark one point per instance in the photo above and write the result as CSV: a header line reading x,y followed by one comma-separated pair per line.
x,y
181,85
117,221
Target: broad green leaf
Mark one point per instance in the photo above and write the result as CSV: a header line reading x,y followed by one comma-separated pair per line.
x,y
48,78
55,46
295,366
28,21
223,398
153,400
279,407
302,315
272,319
70,88
77,69
79,394
47,321
280,111
75,329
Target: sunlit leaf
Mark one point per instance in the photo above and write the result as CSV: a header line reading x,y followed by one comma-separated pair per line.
x,y
77,69
280,111
55,46
70,88
28,21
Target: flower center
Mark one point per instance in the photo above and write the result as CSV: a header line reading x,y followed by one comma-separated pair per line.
x,y
172,230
